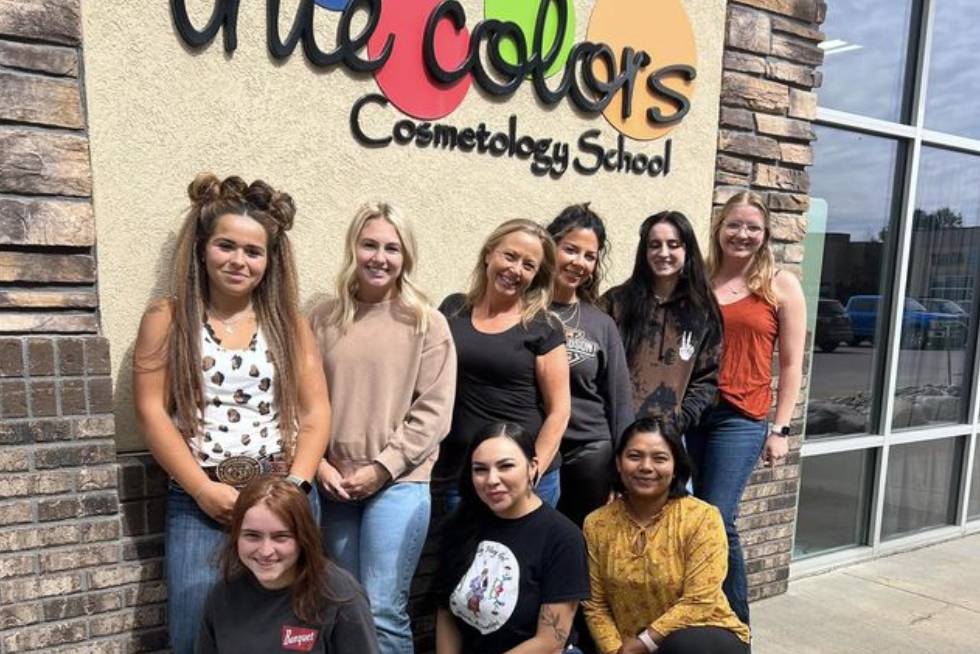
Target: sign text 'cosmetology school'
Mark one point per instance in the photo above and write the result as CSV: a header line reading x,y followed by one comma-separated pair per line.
x,y
636,68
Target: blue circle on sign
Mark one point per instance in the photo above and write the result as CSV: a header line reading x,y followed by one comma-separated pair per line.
x,y
333,5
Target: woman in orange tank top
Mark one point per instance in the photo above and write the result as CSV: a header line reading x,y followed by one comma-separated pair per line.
x,y
760,307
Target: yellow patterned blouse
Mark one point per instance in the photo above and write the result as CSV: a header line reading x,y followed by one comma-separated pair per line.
x,y
666,576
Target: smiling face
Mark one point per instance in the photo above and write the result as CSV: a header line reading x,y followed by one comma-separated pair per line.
x,y
236,255
503,476
513,264
665,251
646,466
742,232
268,548
578,253
379,257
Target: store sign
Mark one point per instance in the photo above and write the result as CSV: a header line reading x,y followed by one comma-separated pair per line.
x,y
635,67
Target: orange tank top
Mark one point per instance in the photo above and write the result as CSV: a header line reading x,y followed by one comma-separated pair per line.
x,y
745,378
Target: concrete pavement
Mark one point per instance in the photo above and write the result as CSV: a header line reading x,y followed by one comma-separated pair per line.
x,y
922,602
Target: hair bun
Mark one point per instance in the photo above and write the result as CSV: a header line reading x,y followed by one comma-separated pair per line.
x,y
205,188
280,206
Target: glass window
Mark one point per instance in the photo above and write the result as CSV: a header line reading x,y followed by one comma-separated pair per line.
x,y
935,364
865,56
954,69
835,496
920,491
848,237
973,510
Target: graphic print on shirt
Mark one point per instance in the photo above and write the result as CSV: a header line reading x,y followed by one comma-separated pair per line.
x,y
687,347
487,594
579,346
298,639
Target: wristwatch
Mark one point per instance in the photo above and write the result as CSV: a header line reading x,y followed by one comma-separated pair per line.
x,y
779,430
301,483
647,640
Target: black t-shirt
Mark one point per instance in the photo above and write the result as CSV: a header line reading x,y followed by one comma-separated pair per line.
x,y
242,617
519,565
495,380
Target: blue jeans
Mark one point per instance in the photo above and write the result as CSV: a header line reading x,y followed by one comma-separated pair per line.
x,y
548,489
379,541
725,448
193,545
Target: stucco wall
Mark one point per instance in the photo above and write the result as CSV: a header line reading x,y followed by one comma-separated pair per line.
x,y
160,112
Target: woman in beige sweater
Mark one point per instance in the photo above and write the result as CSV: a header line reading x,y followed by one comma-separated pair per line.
x,y
391,363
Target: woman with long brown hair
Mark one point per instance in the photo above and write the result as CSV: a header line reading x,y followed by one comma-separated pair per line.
x,y
227,379
278,591
760,307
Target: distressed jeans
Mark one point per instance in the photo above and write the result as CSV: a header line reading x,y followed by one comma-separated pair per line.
x,y
379,540
725,448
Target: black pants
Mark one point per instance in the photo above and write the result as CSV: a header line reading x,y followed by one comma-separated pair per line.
x,y
586,472
702,640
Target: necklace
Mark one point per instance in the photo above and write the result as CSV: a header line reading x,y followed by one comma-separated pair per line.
x,y
574,314
228,324
728,289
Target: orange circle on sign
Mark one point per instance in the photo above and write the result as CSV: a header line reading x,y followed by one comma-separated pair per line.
x,y
663,30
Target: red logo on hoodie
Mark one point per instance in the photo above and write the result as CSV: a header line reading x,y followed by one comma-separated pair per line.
x,y
298,639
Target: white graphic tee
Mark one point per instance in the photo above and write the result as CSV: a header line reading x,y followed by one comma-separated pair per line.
x,y
487,594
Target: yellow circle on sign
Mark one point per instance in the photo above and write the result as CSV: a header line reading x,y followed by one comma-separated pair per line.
x,y
662,29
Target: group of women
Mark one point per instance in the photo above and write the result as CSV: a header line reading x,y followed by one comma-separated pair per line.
x,y
307,455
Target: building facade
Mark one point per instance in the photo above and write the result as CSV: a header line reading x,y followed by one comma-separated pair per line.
x,y
107,112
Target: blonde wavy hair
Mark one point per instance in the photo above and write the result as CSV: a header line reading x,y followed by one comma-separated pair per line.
x,y
537,296
411,296
763,267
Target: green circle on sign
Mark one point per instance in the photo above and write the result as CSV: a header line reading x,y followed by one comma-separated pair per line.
x,y
525,13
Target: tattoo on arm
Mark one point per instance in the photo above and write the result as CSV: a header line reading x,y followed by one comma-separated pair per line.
x,y
552,619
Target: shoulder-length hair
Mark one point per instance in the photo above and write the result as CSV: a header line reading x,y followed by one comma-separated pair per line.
x,y
472,515
636,293
342,315
580,216
537,296
682,461
310,594
763,267
274,300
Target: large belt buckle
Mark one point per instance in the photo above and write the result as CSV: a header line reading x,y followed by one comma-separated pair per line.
x,y
238,470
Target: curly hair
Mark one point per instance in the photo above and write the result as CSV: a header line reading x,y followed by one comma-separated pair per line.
x,y
275,299
580,216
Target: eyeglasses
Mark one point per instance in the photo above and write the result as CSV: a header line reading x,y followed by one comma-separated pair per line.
x,y
735,227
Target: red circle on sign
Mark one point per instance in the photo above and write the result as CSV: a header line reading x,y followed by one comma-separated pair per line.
x,y
404,78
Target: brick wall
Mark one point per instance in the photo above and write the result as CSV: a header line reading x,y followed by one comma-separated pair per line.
x,y
767,107
73,576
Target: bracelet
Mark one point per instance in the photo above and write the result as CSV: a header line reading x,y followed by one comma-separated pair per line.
x,y
647,640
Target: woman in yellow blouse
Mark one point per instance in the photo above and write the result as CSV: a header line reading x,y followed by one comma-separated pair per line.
x,y
657,558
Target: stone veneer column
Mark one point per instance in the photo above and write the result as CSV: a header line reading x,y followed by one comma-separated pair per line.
x,y
71,578
765,131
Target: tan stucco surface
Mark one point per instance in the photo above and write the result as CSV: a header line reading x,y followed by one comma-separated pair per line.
x,y
159,113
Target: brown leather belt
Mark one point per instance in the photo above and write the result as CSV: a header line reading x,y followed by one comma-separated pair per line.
x,y
237,471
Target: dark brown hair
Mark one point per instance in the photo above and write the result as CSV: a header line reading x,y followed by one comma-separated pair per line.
x,y
275,299
309,590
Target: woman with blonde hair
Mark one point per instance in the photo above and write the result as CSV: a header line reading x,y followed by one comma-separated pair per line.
x,y
512,361
760,308
227,382
391,365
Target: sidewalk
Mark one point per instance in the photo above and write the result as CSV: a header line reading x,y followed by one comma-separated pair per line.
x,y
922,602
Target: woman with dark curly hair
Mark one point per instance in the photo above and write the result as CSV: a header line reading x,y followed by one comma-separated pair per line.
x,y
226,377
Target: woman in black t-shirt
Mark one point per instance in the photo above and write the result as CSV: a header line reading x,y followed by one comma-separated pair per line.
x,y
512,364
513,568
278,592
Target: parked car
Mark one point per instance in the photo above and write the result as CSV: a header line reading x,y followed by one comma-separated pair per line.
x,y
833,325
921,328
942,305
